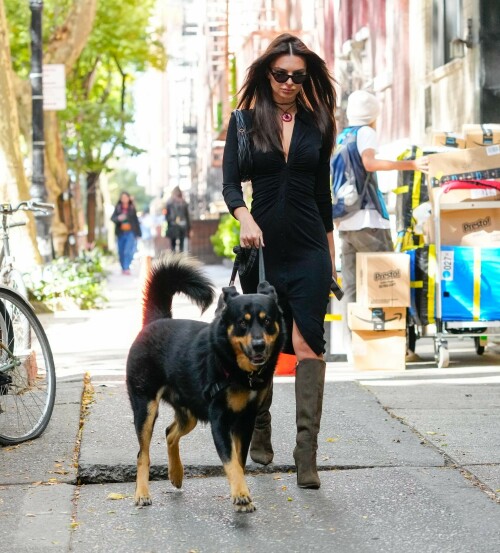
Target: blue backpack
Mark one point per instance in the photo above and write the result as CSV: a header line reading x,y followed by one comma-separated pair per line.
x,y
352,185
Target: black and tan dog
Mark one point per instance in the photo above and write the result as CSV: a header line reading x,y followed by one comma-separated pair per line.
x,y
218,372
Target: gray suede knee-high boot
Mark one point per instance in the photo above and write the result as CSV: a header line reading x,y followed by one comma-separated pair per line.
x,y
309,387
261,449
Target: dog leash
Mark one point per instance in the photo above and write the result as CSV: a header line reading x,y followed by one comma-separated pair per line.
x,y
244,260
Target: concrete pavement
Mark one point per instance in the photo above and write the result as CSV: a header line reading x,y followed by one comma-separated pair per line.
x,y
409,461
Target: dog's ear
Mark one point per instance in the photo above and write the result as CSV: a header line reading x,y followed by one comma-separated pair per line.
x,y
265,288
229,292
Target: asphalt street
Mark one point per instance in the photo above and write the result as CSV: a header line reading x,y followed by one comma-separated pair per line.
x,y
409,460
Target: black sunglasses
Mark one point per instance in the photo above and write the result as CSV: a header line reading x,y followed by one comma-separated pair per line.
x,y
282,77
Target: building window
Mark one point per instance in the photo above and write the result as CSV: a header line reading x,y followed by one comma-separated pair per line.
x,y
446,25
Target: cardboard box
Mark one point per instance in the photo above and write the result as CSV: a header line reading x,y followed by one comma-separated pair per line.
x,y
471,163
384,350
468,227
487,134
383,279
469,284
464,195
448,139
377,319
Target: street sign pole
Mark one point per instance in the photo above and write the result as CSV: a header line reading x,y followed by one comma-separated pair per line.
x,y
38,190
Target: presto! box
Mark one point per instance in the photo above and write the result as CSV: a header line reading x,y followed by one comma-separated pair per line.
x,y
383,279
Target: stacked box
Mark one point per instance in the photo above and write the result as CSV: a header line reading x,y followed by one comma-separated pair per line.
x,y
486,134
378,318
383,279
448,139
469,283
469,280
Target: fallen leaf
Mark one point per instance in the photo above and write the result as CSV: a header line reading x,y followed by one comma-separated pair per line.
x,y
289,499
115,496
431,433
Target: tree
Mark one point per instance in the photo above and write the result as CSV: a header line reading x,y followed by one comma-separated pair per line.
x,y
99,100
102,45
14,185
67,25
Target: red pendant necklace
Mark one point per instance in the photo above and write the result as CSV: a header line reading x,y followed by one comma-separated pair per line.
x,y
286,116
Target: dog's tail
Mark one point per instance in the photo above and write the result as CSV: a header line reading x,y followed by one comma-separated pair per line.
x,y
173,274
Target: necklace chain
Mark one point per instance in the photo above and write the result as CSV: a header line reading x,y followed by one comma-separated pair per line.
x,y
286,116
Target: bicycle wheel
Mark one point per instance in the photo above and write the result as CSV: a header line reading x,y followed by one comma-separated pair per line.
x,y
27,372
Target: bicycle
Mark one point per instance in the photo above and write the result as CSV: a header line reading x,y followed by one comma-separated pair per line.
x,y
27,370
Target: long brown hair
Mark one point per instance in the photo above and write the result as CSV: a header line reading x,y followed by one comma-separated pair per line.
x,y
317,94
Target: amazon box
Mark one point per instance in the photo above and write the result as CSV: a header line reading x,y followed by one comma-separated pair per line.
x,y
448,139
385,350
471,163
383,279
377,319
487,134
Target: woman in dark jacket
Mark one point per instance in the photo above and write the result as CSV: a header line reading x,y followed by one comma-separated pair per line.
x,y
288,102
127,230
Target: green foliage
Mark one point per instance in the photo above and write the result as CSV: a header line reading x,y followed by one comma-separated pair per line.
x,y
226,237
126,180
100,103
69,282
122,44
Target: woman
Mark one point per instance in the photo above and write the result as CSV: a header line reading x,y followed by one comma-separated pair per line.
x,y
288,102
177,217
127,230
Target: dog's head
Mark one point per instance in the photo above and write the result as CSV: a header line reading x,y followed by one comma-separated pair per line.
x,y
254,325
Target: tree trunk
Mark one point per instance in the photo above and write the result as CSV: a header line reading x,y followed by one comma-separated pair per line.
x,y
64,47
14,185
92,183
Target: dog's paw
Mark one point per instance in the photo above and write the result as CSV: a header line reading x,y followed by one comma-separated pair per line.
x,y
176,482
248,508
243,504
143,500
176,476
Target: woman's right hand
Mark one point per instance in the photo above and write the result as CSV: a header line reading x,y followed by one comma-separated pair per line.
x,y
250,232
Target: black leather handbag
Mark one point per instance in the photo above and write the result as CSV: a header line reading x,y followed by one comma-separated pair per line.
x,y
245,162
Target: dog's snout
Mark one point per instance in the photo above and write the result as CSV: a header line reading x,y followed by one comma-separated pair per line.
x,y
258,345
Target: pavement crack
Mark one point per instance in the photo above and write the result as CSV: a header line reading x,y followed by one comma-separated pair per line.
x,y
87,399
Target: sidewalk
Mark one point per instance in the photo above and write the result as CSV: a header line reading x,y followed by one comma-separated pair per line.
x,y
409,461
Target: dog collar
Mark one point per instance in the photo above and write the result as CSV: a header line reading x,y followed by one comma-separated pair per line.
x,y
214,389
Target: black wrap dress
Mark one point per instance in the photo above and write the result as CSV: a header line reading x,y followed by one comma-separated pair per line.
x,y
291,203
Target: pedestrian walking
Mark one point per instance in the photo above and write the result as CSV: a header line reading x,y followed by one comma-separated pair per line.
x,y
367,229
148,233
127,230
178,221
288,103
